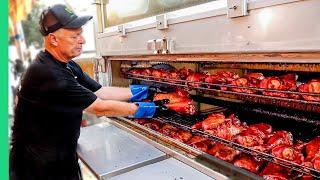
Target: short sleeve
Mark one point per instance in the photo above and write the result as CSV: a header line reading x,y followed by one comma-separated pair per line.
x,y
70,94
83,78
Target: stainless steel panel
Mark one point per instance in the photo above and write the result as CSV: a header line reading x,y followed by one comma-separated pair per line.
x,y
169,169
289,27
109,151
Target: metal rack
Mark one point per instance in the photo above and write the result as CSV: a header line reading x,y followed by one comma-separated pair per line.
x,y
311,106
186,123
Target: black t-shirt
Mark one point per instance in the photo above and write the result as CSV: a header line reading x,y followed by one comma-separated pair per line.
x,y
48,115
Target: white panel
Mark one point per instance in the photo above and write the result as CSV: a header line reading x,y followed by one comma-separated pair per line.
x,y
287,27
133,43
292,26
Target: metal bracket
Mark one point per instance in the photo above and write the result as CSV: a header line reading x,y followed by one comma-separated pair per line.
x,y
237,8
161,21
151,46
122,30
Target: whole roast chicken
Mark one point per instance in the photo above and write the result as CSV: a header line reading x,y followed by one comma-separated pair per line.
x,y
313,86
179,102
288,153
313,152
249,80
248,162
275,172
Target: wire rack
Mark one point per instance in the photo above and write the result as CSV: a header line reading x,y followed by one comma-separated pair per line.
x,y
312,106
185,122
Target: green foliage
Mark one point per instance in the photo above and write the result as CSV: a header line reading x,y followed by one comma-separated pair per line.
x,y
31,26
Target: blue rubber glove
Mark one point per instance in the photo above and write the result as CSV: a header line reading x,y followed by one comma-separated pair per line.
x,y
145,110
139,92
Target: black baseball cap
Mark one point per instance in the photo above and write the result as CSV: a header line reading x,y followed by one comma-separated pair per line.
x,y
60,16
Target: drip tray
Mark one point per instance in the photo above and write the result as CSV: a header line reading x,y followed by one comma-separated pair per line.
x,y
166,169
109,151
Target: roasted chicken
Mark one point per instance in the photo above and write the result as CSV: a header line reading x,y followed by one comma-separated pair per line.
x,y
211,122
184,72
182,135
273,83
168,130
179,102
248,162
313,86
223,152
152,124
280,137
275,172
195,77
288,153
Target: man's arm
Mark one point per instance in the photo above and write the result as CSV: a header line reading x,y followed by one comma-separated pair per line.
x,y
112,108
114,93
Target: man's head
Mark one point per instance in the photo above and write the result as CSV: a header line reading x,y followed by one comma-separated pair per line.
x,y
62,31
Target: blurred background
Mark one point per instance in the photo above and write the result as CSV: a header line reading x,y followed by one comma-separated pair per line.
x,y
25,40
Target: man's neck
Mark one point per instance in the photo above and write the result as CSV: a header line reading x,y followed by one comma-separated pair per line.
x,y
57,55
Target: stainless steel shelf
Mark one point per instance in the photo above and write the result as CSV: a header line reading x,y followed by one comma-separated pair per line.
x,y
169,169
109,151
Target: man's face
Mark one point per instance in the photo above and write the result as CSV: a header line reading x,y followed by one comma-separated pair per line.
x,y
69,42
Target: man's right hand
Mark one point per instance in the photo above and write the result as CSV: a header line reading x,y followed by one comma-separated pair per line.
x,y
150,109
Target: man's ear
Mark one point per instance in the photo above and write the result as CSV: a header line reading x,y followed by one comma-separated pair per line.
x,y
53,39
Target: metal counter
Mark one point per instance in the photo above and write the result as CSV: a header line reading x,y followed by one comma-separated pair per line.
x,y
109,151
169,169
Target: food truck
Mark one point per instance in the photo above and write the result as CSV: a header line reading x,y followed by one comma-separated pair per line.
x,y
243,81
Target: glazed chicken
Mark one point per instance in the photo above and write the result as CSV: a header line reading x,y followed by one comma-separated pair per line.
x,y
182,135
152,124
288,153
215,79
201,143
290,84
135,71
174,75
280,137
140,121
255,136
263,127
168,130
195,77
223,152
316,163
313,152
173,97
242,82
254,78
196,139
228,76
313,86
248,162
250,137
184,72
275,172
179,102
184,107
158,74
147,72
202,146
227,130
273,83
211,122
283,83
313,148
249,80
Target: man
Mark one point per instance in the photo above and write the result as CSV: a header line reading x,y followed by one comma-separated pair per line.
x,y
54,93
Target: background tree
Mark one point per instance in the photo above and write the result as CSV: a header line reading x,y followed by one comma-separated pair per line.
x,y
31,26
